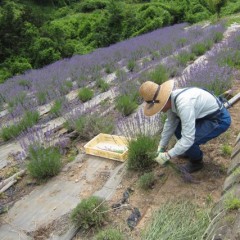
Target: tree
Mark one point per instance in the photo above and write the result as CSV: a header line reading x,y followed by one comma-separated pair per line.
x,y
108,30
216,5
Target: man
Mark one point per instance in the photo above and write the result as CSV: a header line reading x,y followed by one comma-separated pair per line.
x,y
194,115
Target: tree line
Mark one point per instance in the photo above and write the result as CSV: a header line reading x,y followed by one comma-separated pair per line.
x,y
35,33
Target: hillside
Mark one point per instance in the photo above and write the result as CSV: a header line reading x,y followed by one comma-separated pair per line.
x,y
67,103
35,33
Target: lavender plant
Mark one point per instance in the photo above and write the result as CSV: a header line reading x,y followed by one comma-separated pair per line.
x,y
11,131
126,104
141,153
89,125
85,94
158,75
146,181
43,162
90,212
104,86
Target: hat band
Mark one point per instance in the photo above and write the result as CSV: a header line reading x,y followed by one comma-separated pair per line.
x,y
151,102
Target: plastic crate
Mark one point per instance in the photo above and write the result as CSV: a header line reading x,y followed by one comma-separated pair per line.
x,y
108,146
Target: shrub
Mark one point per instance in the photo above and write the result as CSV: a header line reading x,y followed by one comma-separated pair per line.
x,y
92,5
90,212
158,75
109,234
85,94
44,162
141,152
177,220
146,180
126,104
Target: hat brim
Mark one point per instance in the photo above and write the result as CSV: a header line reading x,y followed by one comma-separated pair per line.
x,y
163,96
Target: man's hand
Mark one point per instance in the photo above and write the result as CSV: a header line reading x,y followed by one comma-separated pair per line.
x,y
162,158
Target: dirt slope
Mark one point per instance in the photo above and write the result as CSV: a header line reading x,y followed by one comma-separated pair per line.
x,y
170,185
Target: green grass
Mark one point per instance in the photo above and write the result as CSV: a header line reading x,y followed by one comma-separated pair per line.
x,y
232,203
177,220
109,234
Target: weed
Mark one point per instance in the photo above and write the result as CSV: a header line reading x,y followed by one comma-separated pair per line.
x,y
146,181
90,212
209,199
85,94
109,234
232,202
141,152
226,150
44,162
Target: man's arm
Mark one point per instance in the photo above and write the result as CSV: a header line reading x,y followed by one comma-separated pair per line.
x,y
169,128
187,116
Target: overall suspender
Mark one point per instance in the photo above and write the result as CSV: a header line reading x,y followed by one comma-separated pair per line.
x,y
220,104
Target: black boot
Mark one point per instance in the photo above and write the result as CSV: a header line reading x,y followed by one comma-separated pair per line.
x,y
192,166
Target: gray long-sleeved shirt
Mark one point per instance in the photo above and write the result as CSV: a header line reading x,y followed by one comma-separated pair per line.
x,y
191,104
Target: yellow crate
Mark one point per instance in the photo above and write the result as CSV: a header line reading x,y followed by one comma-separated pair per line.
x,y
108,146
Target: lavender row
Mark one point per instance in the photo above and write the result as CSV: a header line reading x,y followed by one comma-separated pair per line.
x,y
83,69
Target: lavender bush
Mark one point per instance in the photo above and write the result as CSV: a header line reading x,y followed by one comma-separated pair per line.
x,y
43,162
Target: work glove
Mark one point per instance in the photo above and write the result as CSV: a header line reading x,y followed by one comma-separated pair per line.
x,y
162,158
161,149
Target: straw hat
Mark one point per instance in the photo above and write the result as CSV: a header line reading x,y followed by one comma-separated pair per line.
x,y
155,96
